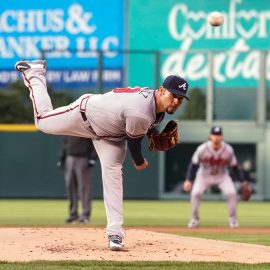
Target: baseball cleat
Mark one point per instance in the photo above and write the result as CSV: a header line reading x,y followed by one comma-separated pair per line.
x,y
233,224
115,243
24,65
193,223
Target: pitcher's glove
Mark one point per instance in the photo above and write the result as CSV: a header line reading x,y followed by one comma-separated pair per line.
x,y
166,140
245,191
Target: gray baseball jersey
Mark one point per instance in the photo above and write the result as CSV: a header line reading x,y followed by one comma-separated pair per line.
x,y
214,162
115,114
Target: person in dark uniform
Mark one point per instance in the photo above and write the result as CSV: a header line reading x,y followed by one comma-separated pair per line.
x,y
77,158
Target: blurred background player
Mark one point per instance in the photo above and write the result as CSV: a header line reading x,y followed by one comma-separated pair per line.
x,y
209,167
77,158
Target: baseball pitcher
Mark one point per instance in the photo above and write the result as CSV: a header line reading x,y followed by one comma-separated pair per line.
x,y
114,120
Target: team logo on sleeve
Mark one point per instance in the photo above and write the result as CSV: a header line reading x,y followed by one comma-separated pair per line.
x,y
145,92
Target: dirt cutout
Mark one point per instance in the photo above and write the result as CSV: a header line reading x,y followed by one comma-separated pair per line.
x,y
28,244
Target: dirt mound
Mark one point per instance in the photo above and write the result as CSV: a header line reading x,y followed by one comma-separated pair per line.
x,y
27,244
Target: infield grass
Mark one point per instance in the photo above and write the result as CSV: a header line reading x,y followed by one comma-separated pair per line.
x,y
251,238
136,213
108,265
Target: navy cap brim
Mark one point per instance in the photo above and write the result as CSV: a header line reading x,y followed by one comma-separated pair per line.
x,y
178,93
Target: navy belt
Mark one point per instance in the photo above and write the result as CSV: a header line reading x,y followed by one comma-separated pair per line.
x,y
85,119
84,116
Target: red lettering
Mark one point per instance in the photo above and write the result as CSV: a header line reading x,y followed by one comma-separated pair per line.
x,y
127,90
212,161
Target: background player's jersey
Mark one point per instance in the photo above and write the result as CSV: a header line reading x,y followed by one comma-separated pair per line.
x,y
213,162
122,112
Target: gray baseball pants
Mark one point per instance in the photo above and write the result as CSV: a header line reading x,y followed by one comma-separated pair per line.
x,y
224,182
67,120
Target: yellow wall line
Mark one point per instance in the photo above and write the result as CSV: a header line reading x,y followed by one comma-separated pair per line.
x,y
17,127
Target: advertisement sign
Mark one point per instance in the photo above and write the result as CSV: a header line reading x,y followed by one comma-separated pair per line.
x,y
68,32
183,26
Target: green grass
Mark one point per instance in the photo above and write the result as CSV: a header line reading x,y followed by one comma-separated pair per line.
x,y
141,213
136,213
176,213
95,265
251,238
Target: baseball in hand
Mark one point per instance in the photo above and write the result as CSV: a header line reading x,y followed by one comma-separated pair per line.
x,y
215,18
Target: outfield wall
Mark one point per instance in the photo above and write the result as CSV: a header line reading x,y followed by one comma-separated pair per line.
x,y
99,45
28,169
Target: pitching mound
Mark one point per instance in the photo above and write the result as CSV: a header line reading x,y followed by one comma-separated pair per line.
x,y
27,244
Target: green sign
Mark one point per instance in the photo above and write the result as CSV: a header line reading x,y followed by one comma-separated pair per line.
x,y
183,26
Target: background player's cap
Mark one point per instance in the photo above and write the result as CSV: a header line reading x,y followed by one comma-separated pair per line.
x,y
176,85
216,130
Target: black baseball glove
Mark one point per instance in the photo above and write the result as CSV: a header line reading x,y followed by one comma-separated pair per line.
x,y
165,140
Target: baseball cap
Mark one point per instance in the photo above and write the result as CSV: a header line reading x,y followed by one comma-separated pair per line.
x,y
216,130
176,85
